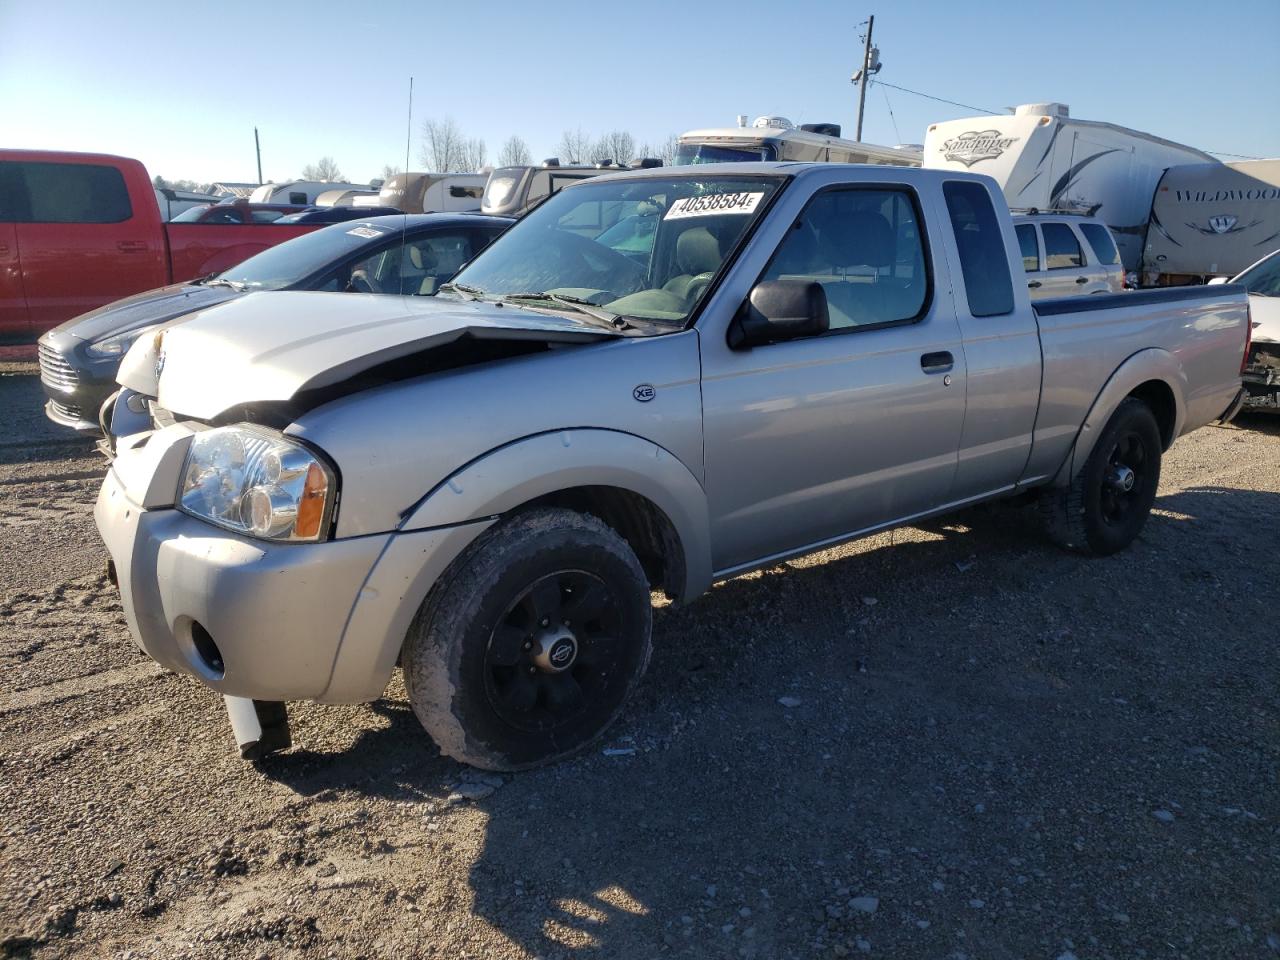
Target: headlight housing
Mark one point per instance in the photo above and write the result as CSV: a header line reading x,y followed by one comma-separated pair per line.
x,y
253,481
119,344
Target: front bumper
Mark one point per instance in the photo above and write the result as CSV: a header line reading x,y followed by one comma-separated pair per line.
x,y
1261,377
75,388
253,619
248,618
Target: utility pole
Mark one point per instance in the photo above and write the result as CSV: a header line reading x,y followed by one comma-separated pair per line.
x,y
258,147
863,75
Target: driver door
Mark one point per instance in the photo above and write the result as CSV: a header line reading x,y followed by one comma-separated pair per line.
x,y
814,439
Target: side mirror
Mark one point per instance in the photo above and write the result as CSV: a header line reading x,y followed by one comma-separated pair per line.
x,y
1217,280
779,310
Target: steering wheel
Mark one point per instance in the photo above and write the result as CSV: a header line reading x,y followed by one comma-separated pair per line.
x,y
620,270
360,283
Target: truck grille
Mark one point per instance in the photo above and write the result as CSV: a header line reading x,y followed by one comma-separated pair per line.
x,y
54,369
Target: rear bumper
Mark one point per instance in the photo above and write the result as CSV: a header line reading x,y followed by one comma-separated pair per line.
x,y
1261,377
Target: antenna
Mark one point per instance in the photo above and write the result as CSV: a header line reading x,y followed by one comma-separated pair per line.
x,y
404,222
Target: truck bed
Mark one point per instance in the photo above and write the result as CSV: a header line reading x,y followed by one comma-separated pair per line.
x,y
1202,331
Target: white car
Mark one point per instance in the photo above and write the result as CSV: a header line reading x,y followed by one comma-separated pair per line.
x,y
1261,374
1066,255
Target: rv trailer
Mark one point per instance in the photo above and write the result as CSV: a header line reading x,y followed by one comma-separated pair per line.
x,y
433,192
777,138
302,193
347,198
1211,220
1046,160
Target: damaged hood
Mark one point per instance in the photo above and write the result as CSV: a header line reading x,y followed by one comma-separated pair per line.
x,y
271,346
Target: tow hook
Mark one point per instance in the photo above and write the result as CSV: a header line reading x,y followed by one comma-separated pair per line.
x,y
261,726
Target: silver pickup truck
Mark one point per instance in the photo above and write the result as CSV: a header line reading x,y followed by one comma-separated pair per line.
x,y
483,488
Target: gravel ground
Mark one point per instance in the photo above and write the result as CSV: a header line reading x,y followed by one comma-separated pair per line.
x,y
971,745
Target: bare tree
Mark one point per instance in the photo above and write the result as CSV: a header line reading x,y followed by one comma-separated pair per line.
x,y
446,150
666,150
474,155
514,153
325,169
389,170
617,145
575,146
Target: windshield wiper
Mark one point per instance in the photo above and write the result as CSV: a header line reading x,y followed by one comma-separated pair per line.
x,y
475,292
235,285
580,304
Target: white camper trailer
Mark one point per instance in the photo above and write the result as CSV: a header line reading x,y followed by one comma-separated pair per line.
x,y
433,192
1211,220
1044,159
777,138
347,198
298,192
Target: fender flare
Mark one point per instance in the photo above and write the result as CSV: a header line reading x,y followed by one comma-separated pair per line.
x,y
1146,365
550,462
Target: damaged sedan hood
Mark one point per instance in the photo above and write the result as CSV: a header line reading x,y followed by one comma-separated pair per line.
x,y
270,347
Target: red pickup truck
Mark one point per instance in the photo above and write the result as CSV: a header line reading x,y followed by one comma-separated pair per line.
x,y
78,230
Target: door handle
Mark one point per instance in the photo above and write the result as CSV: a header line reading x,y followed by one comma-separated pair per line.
x,y
939,362
1082,279
1033,283
131,246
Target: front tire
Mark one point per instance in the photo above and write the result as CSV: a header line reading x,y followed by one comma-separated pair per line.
x,y
529,645
1107,503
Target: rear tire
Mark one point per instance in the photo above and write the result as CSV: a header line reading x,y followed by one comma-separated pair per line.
x,y
530,644
1107,503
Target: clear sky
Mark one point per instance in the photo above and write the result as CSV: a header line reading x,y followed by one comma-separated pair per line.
x,y
182,85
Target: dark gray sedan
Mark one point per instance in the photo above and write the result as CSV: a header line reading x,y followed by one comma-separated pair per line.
x,y
404,254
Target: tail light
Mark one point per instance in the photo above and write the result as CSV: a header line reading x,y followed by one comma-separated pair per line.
x,y
1248,337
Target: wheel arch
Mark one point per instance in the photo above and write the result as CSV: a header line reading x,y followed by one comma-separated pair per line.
x,y
1154,376
641,490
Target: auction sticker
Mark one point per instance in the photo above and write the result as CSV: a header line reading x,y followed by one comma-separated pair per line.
x,y
714,204
367,232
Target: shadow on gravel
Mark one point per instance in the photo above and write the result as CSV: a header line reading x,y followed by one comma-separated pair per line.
x,y
26,434
1268,423
397,761
972,753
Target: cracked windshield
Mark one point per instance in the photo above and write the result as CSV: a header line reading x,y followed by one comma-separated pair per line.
x,y
643,249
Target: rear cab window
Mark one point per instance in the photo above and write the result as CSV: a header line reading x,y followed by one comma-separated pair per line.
x,y
988,286
1061,249
1104,247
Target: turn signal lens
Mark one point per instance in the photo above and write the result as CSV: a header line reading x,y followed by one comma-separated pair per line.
x,y
315,494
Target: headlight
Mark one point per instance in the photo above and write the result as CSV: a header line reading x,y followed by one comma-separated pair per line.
x,y
118,345
254,481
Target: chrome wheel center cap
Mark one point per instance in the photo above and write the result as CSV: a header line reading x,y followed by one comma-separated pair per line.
x,y
1122,479
556,650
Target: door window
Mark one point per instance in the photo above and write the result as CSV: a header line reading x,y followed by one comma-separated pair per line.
x,y
66,193
1061,249
865,246
1029,246
980,243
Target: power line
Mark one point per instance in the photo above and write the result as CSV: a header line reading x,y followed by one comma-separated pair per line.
x,y
1238,156
891,116
997,113
928,96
